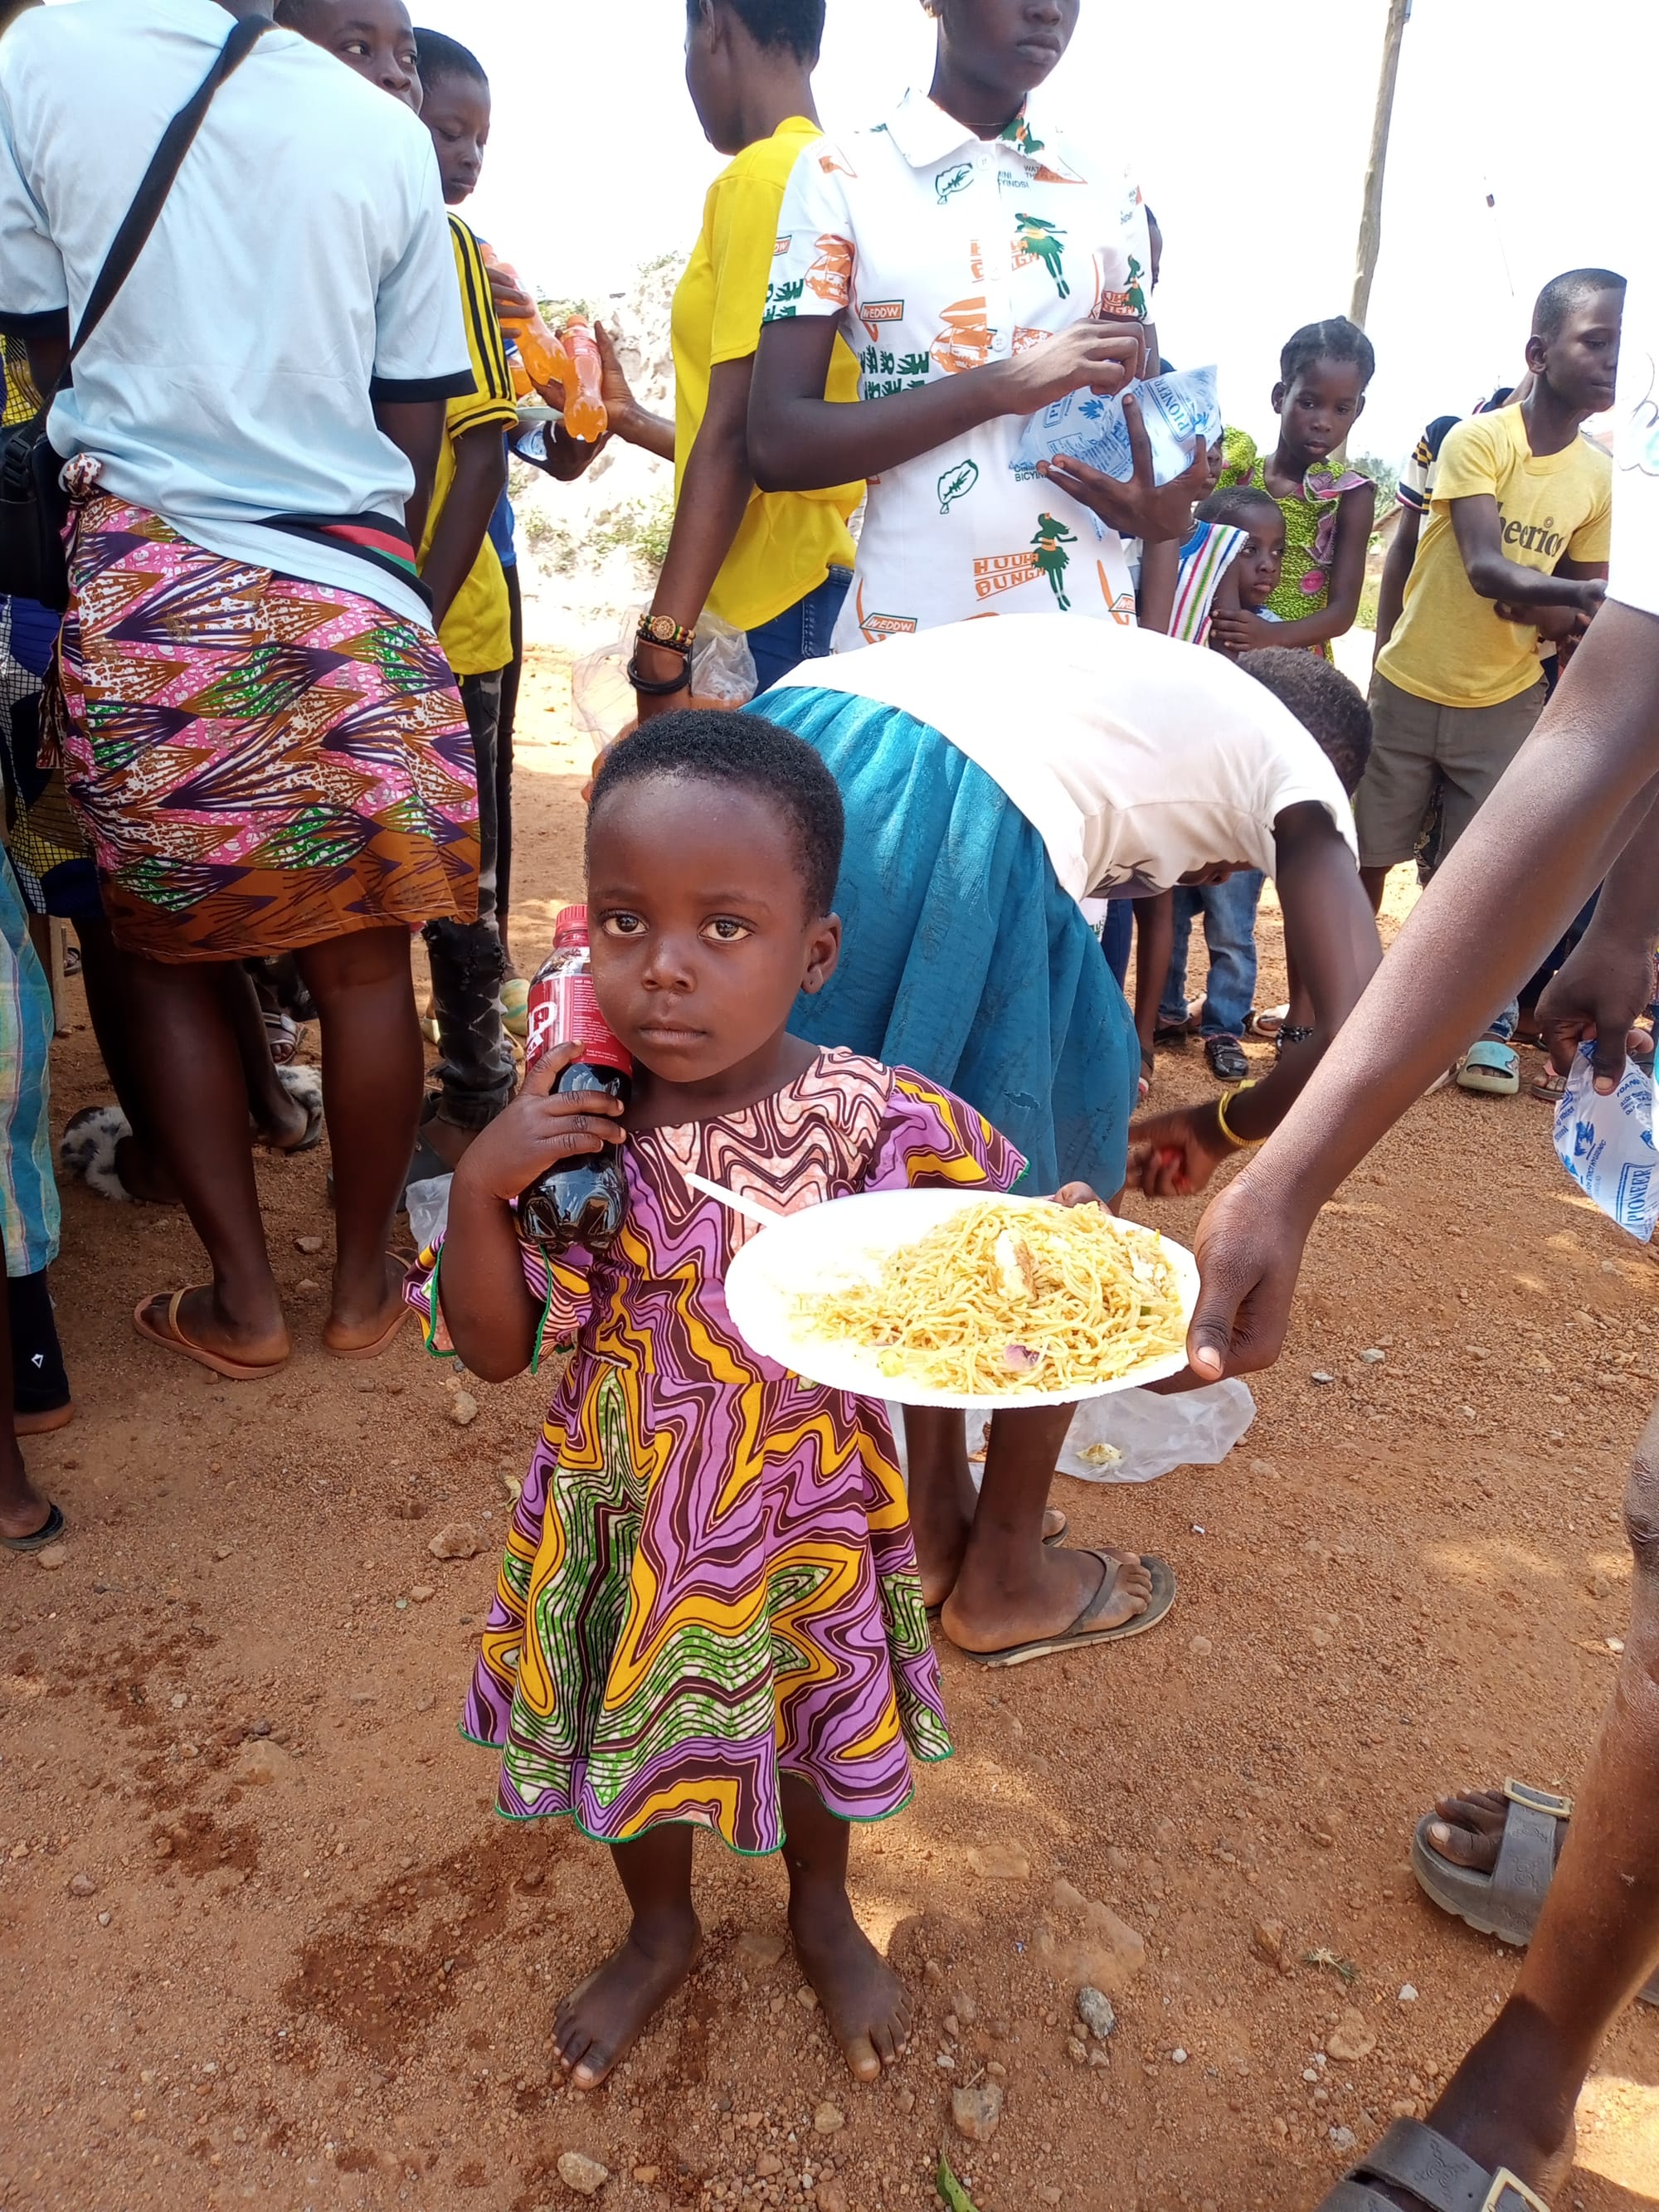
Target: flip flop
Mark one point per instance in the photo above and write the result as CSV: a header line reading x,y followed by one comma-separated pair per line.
x,y
44,1419
1506,1902
48,1533
1491,1068
1429,2167
173,1339
376,1345
1550,1087
1080,1633
1266,1022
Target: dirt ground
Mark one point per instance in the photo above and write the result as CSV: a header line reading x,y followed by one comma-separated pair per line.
x,y
262,1939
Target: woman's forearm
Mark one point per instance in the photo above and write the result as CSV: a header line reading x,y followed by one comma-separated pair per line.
x,y
1561,816
807,444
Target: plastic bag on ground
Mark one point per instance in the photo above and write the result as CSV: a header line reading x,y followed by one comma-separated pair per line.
x,y
1606,1144
1134,1436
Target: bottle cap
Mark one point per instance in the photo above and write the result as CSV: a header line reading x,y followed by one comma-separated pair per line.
x,y
570,922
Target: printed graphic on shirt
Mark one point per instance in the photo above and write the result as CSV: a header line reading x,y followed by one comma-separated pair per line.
x,y
1051,540
878,627
873,313
830,275
996,573
967,340
783,300
1036,239
1025,337
1535,536
1056,170
955,179
955,484
1121,606
833,163
885,373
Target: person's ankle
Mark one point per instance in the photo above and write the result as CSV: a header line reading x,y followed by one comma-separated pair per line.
x,y
1516,2088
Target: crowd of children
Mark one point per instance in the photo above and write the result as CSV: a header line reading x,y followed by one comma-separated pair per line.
x,y
712,1610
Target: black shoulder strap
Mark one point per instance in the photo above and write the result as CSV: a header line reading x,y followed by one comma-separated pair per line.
x,y
141,217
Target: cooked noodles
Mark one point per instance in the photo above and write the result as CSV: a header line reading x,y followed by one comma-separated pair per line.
x,y
1008,1296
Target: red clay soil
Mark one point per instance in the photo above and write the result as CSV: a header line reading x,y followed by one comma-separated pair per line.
x,y
263,1940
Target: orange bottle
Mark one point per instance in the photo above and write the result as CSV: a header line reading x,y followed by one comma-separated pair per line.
x,y
545,358
585,415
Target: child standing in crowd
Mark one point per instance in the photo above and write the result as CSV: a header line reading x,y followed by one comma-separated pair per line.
x,y
1515,553
1328,512
1254,521
462,572
709,1614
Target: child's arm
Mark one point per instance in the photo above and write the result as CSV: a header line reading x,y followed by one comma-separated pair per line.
x,y
1397,567
1355,513
634,424
1479,529
475,492
491,1317
1160,568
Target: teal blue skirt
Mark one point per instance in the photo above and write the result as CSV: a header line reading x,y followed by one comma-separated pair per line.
x,y
963,957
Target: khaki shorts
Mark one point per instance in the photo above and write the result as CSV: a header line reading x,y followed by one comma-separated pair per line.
x,y
1413,741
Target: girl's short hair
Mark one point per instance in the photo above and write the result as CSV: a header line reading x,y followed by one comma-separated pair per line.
x,y
1235,503
440,57
1336,339
796,25
1330,708
745,753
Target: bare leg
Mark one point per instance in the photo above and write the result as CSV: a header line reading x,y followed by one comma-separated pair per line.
x,y
138,1161
1374,879
942,1497
183,1053
598,2023
23,1510
864,2001
1154,944
1510,2102
1011,1588
279,1120
372,1067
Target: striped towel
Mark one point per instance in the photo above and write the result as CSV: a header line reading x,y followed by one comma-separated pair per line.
x,y
1204,559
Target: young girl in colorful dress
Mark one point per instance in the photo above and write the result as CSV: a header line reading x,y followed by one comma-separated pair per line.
x,y
708,1613
1328,511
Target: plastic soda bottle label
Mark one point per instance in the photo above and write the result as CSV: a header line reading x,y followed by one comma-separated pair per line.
x,y
564,1010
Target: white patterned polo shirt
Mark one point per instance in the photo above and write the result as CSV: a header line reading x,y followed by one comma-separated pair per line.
x,y
938,251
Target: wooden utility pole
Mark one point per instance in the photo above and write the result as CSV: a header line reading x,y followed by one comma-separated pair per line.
x,y
1371,219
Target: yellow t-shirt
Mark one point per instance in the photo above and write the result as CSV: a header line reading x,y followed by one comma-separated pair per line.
x,y
477,631
1449,645
788,541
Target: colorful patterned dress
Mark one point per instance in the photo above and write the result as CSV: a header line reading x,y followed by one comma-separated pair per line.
x,y
1304,586
710,1580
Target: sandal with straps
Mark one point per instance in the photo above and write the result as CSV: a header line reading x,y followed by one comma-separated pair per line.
x,y
1506,1902
1430,2168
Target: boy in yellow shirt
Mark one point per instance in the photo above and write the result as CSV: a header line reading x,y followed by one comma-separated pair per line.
x,y
1515,553
774,564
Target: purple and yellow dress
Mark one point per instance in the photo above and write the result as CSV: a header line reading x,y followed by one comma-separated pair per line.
x,y
710,1580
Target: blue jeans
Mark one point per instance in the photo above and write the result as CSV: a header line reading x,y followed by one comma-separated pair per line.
x,y
1229,912
800,633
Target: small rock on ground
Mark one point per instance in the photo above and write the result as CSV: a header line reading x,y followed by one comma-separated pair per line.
x,y
458,1541
53,1557
1094,2009
977,2112
829,2120
462,1409
583,2174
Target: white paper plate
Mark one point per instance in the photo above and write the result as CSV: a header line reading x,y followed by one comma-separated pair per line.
x,y
849,1239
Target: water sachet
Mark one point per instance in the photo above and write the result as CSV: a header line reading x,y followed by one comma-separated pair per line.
x,y
1088,427
1606,1144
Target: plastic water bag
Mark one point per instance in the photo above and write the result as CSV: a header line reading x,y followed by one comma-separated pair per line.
x,y
1606,1144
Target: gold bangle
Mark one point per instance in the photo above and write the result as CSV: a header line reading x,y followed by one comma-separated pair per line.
x,y
1239,1143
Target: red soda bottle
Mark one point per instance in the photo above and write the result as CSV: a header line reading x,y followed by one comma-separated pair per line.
x,y
580,1200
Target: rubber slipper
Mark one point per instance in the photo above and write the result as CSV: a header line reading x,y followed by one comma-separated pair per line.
x,y
50,1529
44,1419
1506,1902
173,1339
1492,1068
376,1345
1081,1632
1550,1087
1266,1021
1429,2167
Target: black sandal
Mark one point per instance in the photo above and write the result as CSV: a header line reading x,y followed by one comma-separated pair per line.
x,y
1429,2167
1226,1057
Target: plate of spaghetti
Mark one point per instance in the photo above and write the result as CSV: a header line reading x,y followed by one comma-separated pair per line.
x,y
941,1297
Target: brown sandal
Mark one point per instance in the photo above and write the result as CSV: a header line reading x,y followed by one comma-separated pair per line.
x,y
172,1338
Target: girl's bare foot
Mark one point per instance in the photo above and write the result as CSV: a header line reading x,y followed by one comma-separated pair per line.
x,y
864,2001
23,1511
601,2021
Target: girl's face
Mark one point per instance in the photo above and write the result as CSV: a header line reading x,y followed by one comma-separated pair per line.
x,y
1319,406
457,113
374,37
700,932
1013,45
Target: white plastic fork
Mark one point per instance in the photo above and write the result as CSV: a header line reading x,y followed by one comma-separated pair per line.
x,y
749,1208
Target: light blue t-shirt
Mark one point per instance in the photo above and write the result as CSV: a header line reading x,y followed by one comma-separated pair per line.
x,y
301,269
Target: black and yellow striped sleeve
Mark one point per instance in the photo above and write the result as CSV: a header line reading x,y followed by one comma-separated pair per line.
x,y
491,398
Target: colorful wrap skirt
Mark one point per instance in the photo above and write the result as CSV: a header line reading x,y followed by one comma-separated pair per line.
x,y
260,763
963,955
